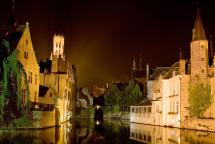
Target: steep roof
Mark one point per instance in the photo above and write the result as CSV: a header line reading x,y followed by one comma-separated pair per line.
x,y
157,71
43,90
45,66
198,31
173,69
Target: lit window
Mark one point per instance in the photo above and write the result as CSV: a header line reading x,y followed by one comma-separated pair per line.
x,y
26,55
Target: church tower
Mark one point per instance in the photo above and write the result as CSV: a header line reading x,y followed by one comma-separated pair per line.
x,y
199,51
58,47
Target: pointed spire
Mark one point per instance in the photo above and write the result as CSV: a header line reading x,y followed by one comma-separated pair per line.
x,y
12,19
198,31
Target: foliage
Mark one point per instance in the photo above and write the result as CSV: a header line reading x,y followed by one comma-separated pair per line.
x,y
14,77
118,97
200,99
22,121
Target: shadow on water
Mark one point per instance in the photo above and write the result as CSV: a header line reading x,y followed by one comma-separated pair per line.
x,y
107,131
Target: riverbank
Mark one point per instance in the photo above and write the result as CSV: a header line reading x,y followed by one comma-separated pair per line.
x,y
117,115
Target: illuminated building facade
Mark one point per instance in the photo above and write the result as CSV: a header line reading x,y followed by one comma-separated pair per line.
x,y
19,39
58,81
169,89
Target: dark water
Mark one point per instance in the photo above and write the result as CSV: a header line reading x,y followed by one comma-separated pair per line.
x,y
84,131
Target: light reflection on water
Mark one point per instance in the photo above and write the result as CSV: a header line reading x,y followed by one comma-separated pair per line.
x,y
84,131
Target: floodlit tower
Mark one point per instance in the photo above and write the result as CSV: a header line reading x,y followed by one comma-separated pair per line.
x,y
199,51
58,47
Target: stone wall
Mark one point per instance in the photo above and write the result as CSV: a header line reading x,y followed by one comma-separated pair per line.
x,y
200,124
44,119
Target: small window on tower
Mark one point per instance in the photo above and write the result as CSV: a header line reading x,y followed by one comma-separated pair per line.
x,y
26,41
202,59
60,45
202,46
56,45
203,71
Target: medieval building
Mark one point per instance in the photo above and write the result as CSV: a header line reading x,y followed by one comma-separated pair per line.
x,y
58,81
169,89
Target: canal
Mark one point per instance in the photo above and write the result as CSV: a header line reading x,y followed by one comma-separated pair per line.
x,y
85,131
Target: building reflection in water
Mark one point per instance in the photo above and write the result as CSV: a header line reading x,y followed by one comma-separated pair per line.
x,y
87,131
165,135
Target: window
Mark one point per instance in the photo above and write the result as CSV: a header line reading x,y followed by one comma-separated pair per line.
x,y
56,45
35,79
50,95
157,109
65,94
149,110
26,41
177,107
170,106
35,96
30,77
23,93
202,59
173,106
60,45
26,55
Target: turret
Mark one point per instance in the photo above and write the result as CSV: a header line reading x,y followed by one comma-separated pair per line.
x,y
199,51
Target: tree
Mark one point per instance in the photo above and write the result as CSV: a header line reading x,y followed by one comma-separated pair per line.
x,y
111,97
117,99
13,110
200,99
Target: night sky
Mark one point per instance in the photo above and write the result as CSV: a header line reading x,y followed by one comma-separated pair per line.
x,y
102,37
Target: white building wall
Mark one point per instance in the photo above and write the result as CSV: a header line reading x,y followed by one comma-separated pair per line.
x,y
149,89
171,101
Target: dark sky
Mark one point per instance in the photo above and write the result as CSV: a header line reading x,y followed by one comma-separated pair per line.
x,y
102,37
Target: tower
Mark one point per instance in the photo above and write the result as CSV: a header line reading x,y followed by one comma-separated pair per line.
x,y
199,51
58,47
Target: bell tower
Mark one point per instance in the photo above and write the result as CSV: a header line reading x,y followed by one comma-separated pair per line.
x,y
58,47
199,51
